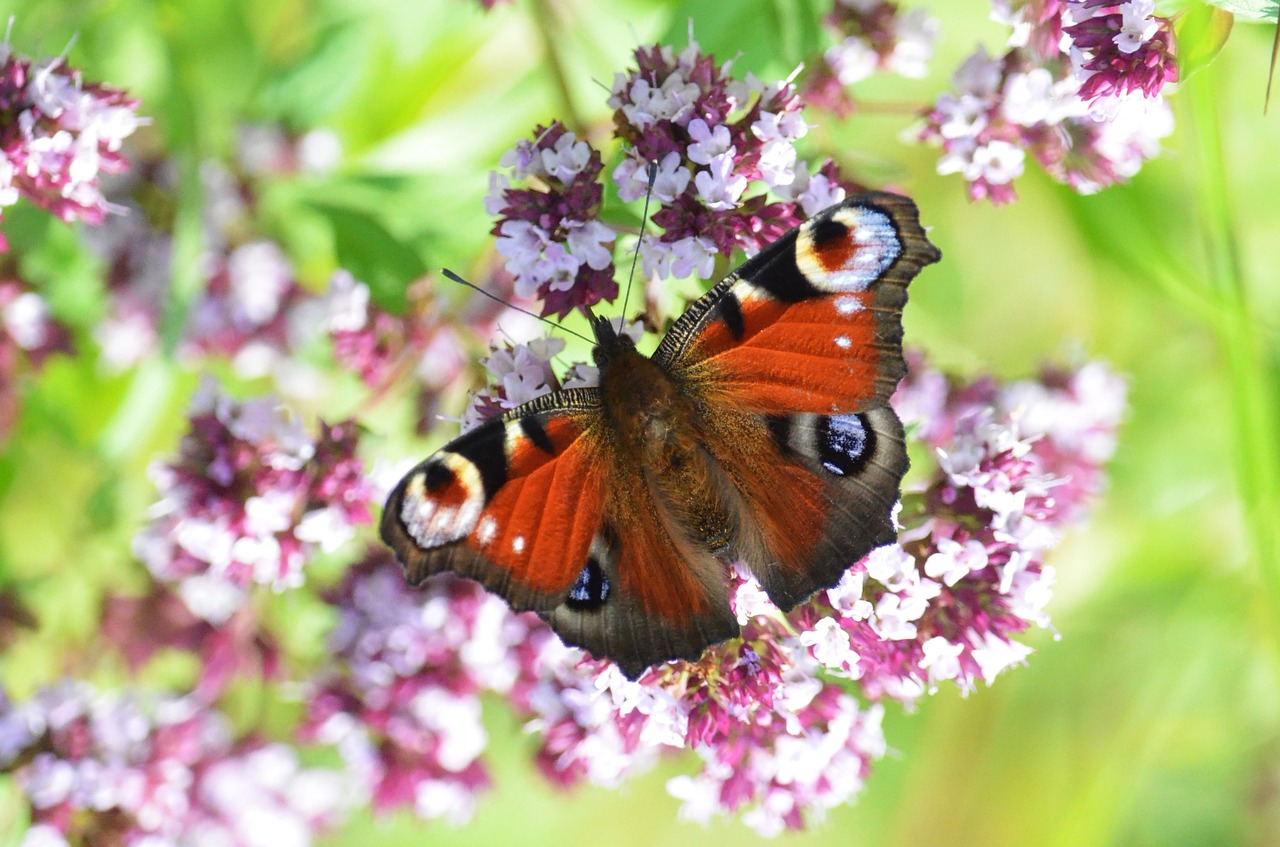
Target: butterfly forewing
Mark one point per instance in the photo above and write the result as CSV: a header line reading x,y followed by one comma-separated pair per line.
x,y
513,504
812,323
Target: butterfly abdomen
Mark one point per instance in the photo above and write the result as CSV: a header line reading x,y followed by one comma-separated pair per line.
x,y
654,426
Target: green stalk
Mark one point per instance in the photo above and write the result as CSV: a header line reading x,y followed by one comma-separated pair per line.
x,y
1254,396
544,18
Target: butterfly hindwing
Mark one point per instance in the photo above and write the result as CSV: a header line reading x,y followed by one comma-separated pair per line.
x,y
661,595
819,493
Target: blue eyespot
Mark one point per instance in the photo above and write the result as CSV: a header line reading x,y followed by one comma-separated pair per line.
x,y
842,444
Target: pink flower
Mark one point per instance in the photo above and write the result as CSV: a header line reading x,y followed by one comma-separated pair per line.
x,y
1079,89
100,768
714,139
556,248
250,499
58,135
29,334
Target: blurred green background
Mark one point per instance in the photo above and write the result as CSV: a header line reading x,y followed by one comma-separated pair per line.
x,y
1155,719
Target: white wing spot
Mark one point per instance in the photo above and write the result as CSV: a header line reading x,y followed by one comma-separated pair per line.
x,y
843,342
848,305
517,544
487,530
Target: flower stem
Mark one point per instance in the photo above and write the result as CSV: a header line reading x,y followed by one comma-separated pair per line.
x,y
1254,394
544,18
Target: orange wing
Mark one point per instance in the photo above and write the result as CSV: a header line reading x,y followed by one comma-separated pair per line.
x,y
795,357
514,504
813,323
536,506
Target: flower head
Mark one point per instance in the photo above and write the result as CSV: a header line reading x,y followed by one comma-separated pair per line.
x,y
99,768
1079,89
58,135
249,500
556,248
713,138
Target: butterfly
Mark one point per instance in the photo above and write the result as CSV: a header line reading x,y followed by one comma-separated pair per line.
x,y
759,430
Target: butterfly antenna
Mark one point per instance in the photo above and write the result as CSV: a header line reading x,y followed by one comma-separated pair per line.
x,y
453,276
644,221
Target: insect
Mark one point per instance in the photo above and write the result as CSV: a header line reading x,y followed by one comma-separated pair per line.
x,y
760,430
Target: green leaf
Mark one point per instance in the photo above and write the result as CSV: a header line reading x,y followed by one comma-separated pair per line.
x,y
1255,10
313,86
1201,34
763,36
375,256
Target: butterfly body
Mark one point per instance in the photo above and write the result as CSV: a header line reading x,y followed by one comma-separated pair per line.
x,y
758,431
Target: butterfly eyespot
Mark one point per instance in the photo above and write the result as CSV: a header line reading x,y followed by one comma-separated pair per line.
x,y
437,476
847,251
843,444
517,544
443,501
843,342
590,589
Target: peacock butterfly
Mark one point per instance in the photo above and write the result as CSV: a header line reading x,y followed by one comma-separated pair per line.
x,y
760,430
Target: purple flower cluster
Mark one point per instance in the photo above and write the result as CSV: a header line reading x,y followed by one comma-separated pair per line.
x,y
873,36
401,704
131,769
711,136
237,648
1079,87
252,310
249,500
519,372
786,718
1125,51
556,248
29,334
58,134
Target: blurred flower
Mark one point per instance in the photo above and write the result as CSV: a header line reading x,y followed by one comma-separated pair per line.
x,y
251,311
429,340
250,499
872,36
401,701
238,648
58,134
102,768
1079,88
29,334
269,150
252,308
